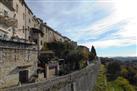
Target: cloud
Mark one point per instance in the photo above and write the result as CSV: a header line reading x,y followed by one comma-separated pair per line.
x,y
126,33
68,17
103,23
111,43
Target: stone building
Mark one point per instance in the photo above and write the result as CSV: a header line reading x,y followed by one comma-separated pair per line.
x,y
18,23
22,35
44,34
48,66
18,63
24,16
52,35
16,19
36,33
7,21
18,58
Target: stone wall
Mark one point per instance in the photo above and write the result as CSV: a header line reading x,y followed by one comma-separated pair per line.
x,y
15,57
83,80
18,44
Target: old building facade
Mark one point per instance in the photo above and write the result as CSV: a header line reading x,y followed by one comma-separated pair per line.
x,y
25,19
18,57
7,20
18,63
22,35
22,25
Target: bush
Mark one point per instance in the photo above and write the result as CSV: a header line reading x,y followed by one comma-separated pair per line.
x,y
113,71
131,76
122,82
73,59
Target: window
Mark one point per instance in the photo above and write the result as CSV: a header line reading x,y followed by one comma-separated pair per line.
x,y
23,16
46,30
29,12
41,42
36,41
23,29
21,2
17,7
28,28
29,21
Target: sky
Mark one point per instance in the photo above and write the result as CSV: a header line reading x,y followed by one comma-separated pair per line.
x,y
109,25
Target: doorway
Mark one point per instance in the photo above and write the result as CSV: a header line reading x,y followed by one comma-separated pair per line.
x,y
23,76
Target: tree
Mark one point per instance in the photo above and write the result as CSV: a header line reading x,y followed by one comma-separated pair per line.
x,y
60,47
124,83
93,50
131,76
73,59
92,54
113,71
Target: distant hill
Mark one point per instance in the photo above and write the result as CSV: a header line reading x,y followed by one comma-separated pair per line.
x,y
125,58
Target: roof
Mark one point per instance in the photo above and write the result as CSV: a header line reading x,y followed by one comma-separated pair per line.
x,y
23,1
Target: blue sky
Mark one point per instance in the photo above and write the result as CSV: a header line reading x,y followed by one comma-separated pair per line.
x,y
109,25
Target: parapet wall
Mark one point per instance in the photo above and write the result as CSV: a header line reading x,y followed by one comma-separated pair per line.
x,y
83,80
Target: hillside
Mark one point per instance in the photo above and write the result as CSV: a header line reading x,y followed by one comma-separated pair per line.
x,y
116,77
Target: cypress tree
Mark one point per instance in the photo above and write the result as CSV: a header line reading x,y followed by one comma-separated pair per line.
x,y
93,50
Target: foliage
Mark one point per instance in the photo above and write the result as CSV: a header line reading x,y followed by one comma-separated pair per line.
x,y
113,71
73,59
85,52
60,47
106,60
82,64
101,84
93,50
131,75
122,82
124,71
124,74
92,54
